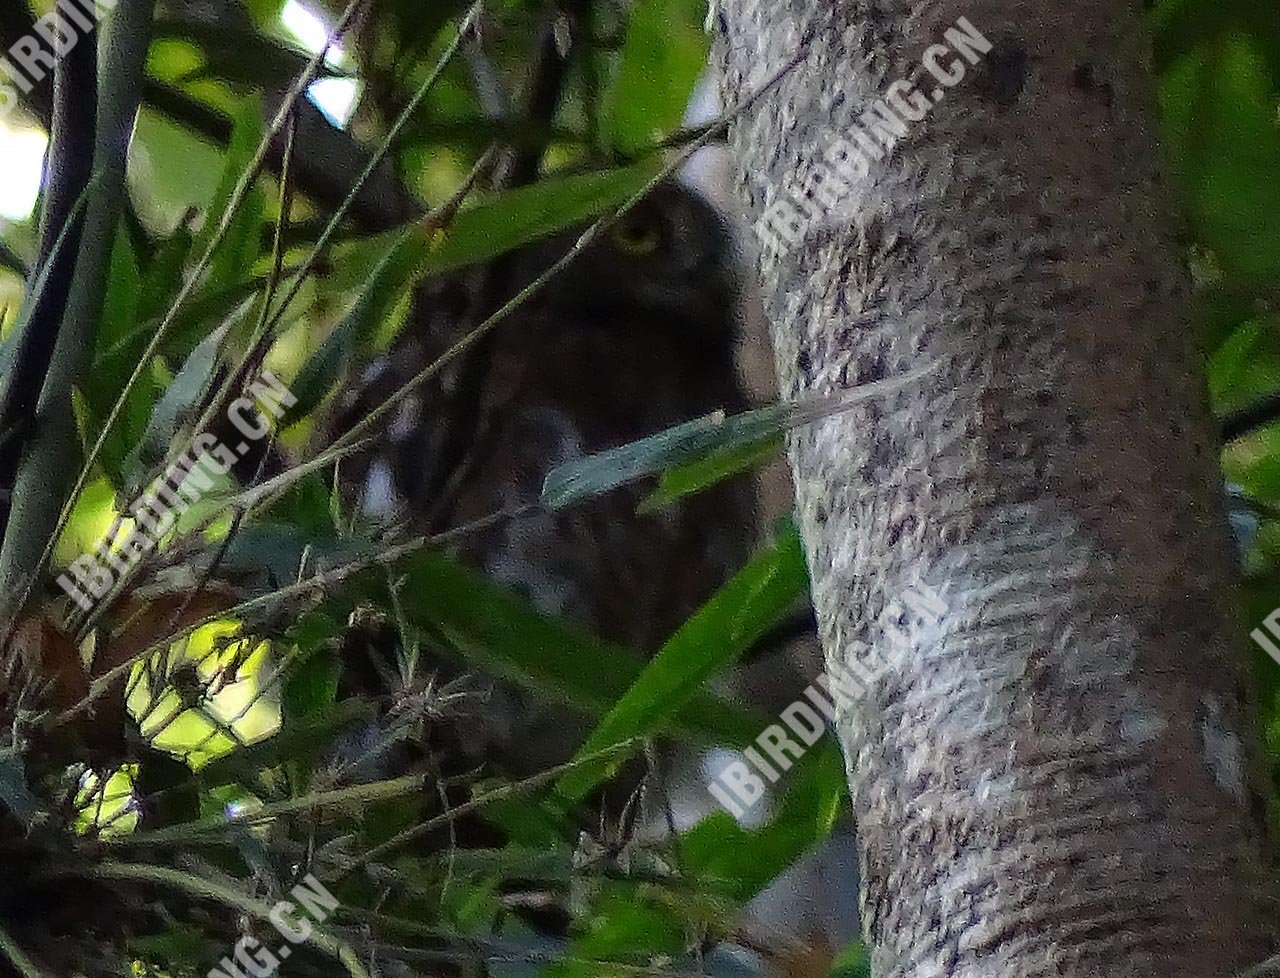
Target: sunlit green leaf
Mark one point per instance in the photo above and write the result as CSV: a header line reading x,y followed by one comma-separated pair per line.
x,y
664,53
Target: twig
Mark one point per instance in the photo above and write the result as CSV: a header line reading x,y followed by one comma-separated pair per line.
x,y
18,957
358,794
519,165
498,794
384,147
257,350
211,890
439,217
306,587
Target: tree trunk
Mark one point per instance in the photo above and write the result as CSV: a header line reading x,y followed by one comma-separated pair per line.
x,y
1061,775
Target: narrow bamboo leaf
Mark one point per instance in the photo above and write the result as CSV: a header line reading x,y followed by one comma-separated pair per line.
x,y
499,632
242,243
511,862
163,275
179,946
120,312
175,405
49,468
724,865
208,308
757,598
622,927
604,471
501,223
514,218
684,480
664,52
121,307
740,862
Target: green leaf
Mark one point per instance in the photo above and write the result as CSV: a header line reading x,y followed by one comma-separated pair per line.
x,y
311,688
242,244
684,480
499,632
102,387
724,865
852,962
756,599
548,863
177,946
164,273
665,51
739,862
516,217
173,407
694,440
1246,366
1219,115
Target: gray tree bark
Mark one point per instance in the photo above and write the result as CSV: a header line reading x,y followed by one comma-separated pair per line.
x,y
1060,776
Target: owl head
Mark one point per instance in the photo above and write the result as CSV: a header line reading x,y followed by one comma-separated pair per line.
x,y
670,257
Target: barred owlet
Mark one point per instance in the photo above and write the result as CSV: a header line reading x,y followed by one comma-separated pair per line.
x,y
636,335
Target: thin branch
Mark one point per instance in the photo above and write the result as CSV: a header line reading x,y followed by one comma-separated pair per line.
x,y
305,588
384,147
520,164
257,351
211,890
356,795
18,957
514,790
442,215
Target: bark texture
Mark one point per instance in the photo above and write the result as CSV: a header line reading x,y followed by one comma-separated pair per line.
x,y
1060,777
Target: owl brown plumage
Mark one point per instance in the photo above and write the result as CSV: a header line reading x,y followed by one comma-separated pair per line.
x,y
636,335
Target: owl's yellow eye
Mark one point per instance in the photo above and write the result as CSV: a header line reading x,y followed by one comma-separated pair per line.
x,y
637,238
